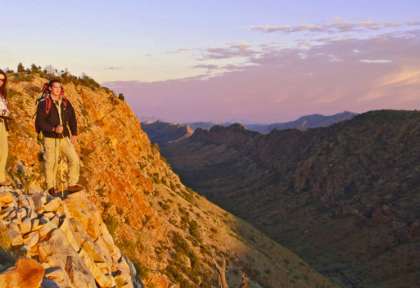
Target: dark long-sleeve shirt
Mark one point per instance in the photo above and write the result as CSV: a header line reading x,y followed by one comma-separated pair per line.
x,y
46,122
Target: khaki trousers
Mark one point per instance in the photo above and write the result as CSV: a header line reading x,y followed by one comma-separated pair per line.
x,y
4,150
53,148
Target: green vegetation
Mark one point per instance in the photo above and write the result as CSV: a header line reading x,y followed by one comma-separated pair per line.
x,y
178,270
111,223
49,72
195,230
142,271
164,205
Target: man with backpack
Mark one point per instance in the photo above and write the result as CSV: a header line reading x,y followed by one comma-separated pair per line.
x,y
56,120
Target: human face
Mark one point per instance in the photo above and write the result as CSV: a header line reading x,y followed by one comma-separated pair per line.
x,y
2,79
55,89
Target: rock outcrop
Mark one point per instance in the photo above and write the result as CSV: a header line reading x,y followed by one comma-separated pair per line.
x,y
67,237
162,132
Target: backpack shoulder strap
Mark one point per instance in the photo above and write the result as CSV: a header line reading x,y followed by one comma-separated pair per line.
x,y
46,102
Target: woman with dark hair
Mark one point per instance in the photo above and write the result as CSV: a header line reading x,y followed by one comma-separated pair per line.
x,y
4,116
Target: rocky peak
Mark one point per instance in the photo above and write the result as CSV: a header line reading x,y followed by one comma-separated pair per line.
x,y
235,134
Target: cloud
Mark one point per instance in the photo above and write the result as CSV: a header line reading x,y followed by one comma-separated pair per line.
x,y
404,77
335,27
113,68
276,84
180,50
206,66
376,61
333,58
287,28
232,51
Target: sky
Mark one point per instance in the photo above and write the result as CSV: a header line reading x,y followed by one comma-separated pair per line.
x,y
238,60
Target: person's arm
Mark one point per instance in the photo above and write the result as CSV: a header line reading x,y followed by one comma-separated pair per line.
x,y
72,120
41,119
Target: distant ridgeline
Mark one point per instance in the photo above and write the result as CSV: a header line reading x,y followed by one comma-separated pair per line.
x,y
163,132
346,197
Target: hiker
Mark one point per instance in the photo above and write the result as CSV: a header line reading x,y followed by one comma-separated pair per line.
x,y
4,131
56,120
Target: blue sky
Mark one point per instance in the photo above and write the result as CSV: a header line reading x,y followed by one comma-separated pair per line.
x,y
130,40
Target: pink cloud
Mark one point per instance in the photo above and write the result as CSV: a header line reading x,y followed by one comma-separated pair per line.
x,y
280,85
334,27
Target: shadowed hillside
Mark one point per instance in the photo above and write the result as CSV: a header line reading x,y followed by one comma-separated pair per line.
x,y
162,132
346,198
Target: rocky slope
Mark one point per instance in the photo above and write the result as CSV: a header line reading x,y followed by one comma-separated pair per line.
x,y
174,237
346,198
68,238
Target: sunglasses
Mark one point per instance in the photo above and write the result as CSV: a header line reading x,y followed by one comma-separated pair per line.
x,y
2,79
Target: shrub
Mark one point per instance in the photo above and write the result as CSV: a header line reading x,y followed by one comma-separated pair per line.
x,y
35,69
111,223
90,82
20,68
195,230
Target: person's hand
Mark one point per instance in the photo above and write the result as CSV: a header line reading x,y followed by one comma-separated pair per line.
x,y
5,113
74,139
59,129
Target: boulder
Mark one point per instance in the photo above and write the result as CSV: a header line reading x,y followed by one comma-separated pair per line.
x,y
14,235
31,239
94,252
45,229
27,274
103,280
52,205
57,275
25,226
68,260
38,199
6,211
6,198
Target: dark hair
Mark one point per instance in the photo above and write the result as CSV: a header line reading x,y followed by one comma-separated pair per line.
x,y
3,90
52,81
56,80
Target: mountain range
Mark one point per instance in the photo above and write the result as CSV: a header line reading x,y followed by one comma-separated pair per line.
x,y
162,132
346,197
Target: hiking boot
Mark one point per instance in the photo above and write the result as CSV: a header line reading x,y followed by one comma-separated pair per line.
x,y
74,188
53,192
